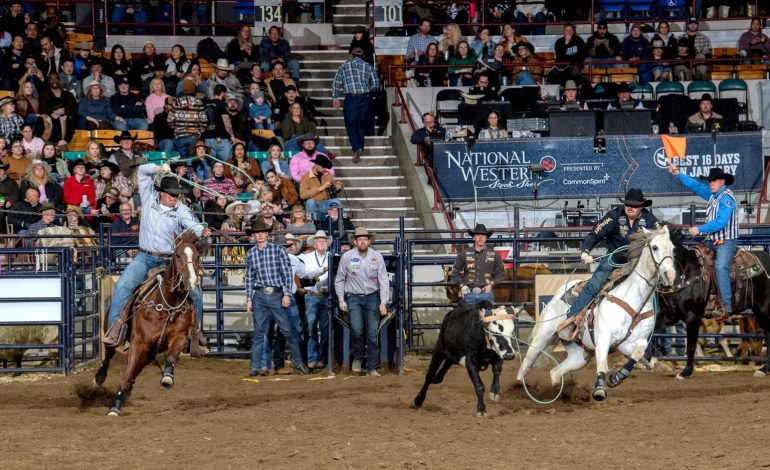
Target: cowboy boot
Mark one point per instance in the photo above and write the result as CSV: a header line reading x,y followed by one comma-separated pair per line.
x,y
116,333
198,343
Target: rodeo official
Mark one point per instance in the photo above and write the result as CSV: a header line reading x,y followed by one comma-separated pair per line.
x,y
614,227
478,269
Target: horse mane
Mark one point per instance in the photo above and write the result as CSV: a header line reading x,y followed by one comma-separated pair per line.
x,y
188,237
637,242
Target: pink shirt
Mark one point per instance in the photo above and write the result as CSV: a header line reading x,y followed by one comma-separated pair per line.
x,y
154,105
300,164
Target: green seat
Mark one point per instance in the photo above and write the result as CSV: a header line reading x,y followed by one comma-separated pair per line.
x,y
736,88
73,155
669,88
699,88
642,91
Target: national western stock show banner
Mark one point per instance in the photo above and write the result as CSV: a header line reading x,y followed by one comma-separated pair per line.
x,y
500,169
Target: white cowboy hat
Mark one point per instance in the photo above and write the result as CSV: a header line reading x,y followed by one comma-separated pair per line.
x,y
319,234
223,64
35,163
231,207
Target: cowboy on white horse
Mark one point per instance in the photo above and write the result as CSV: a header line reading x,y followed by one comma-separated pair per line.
x,y
614,227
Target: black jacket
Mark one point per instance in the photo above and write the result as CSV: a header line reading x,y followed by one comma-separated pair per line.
x,y
23,221
53,192
126,106
615,229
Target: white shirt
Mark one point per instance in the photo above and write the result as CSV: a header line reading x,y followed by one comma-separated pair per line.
x,y
315,262
160,224
299,269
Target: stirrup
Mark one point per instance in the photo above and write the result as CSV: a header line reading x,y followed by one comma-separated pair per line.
x,y
116,334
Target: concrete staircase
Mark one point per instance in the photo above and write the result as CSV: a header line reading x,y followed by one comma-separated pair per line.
x,y
375,194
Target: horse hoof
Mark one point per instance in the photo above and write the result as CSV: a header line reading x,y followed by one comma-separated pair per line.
x,y
113,412
167,381
600,394
494,396
759,373
481,414
612,378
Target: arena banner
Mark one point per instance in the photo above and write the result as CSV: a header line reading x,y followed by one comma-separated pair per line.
x,y
502,169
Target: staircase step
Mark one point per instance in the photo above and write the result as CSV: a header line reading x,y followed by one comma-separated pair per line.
x,y
376,191
382,179
368,161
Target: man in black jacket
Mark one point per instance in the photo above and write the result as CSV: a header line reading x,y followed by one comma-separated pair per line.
x,y
128,105
25,213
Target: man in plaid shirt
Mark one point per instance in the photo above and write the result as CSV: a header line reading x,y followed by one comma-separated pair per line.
x,y
274,49
701,47
187,118
268,293
357,79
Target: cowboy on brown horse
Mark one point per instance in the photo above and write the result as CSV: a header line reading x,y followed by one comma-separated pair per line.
x,y
164,217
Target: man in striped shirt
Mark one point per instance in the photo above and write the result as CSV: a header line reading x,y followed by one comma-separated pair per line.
x,y
721,225
357,79
268,296
187,118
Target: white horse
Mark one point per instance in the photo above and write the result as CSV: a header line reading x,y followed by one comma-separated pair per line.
x,y
652,251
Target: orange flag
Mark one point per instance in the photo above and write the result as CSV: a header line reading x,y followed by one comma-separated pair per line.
x,y
674,146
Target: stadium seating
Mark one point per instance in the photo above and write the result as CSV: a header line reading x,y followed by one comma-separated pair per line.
x,y
669,88
736,88
698,88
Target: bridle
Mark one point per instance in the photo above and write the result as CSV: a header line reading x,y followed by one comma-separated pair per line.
x,y
657,264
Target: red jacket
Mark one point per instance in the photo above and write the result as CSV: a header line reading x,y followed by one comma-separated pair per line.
x,y
74,191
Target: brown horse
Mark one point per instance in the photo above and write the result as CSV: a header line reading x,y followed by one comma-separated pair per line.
x,y
162,315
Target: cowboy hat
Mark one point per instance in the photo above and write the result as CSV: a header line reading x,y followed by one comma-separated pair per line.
x,y
361,232
174,186
125,135
306,137
7,99
258,225
83,46
290,239
570,85
35,163
199,144
527,45
718,174
92,82
319,234
357,51
223,64
231,207
107,164
72,164
635,198
113,193
480,229
46,206
623,88
55,104
658,43
323,161
73,208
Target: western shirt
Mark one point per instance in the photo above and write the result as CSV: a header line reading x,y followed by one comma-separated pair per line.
x,y
269,266
362,274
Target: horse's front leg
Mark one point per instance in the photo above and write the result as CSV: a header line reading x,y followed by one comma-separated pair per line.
x,y
101,374
138,354
634,351
602,342
175,348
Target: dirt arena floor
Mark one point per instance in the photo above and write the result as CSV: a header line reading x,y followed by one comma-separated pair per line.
x,y
215,419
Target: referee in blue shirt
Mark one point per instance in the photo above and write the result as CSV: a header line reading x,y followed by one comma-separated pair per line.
x,y
268,292
357,79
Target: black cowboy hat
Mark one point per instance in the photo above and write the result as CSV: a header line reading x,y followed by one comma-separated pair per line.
x,y
323,161
527,45
125,135
635,197
719,174
623,88
174,186
258,225
307,136
55,104
108,164
480,229
73,163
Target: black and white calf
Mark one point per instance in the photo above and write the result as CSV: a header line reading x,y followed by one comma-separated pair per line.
x,y
475,336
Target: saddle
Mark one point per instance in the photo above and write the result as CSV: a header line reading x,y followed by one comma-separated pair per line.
x,y
744,267
587,314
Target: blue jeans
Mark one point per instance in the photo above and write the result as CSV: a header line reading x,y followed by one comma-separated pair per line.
x,y
183,145
267,308
724,258
292,66
222,150
167,145
275,342
317,209
201,11
357,110
473,299
134,124
537,30
525,78
365,313
118,15
592,288
134,274
317,313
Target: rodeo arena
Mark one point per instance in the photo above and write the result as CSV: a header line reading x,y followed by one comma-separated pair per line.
x,y
239,233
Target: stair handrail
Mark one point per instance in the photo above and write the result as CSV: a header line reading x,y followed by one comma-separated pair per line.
x,y
406,116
